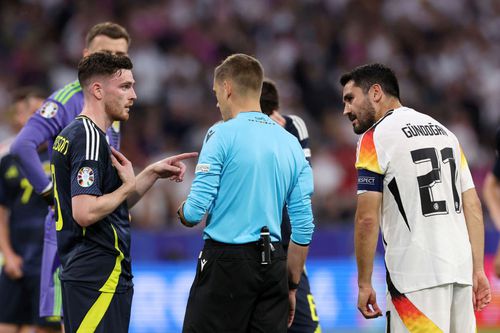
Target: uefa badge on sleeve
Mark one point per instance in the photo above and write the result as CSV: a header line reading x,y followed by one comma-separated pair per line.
x,y
85,177
49,110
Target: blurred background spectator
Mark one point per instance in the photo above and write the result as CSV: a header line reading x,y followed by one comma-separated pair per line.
x,y
444,52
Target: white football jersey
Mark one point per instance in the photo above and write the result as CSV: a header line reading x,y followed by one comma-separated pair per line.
x,y
424,175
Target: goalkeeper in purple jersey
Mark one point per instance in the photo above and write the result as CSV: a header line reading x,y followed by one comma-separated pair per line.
x,y
306,319
55,114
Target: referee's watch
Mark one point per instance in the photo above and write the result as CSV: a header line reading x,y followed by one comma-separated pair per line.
x,y
292,285
180,214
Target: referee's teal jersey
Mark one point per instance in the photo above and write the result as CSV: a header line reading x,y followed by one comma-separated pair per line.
x,y
248,168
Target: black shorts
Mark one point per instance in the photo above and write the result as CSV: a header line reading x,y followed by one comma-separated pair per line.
x,y
233,292
19,302
88,310
306,318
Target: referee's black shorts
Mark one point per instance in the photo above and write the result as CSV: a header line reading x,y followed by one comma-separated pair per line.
x,y
88,310
233,292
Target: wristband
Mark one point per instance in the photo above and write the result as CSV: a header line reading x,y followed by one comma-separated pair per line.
x,y
48,196
180,214
292,286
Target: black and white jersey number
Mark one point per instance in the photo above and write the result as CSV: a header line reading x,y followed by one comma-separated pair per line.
x,y
426,182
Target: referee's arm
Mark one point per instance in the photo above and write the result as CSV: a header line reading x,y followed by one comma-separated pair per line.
x,y
205,185
301,220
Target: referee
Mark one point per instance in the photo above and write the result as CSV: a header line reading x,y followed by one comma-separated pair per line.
x,y
249,168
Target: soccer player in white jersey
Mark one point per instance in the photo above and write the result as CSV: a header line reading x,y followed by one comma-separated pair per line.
x,y
413,181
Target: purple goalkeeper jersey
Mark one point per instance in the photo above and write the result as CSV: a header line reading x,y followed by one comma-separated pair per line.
x,y
57,112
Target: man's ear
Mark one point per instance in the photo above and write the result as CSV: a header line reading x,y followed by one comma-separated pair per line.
x,y
96,90
228,88
376,92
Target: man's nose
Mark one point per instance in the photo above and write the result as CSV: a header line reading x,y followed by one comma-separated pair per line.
x,y
347,110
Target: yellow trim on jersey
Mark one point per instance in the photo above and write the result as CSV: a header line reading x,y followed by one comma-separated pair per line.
x,y
367,154
99,308
463,159
59,221
112,282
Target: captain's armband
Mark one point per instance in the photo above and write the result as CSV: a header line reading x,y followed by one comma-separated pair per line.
x,y
370,181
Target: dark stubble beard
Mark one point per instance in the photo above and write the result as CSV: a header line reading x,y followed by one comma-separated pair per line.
x,y
368,120
114,110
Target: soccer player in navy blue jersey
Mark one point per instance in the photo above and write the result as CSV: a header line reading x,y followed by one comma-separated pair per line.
x,y
94,186
306,318
56,113
22,213
491,195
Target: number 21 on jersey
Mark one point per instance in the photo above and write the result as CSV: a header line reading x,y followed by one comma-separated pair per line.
x,y
427,181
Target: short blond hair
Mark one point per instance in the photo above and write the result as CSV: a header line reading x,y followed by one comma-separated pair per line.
x,y
245,71
108,29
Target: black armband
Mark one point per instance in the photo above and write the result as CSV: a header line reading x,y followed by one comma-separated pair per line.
x,y
48,196
292,285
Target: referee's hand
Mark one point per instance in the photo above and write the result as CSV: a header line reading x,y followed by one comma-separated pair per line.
x,y
292,301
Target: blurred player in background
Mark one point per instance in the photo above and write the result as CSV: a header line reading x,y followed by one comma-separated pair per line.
x,y
56,113
306,317
248,168
491,194
413,174
22,213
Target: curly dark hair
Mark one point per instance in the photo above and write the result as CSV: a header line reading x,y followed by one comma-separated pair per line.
x,y
101,63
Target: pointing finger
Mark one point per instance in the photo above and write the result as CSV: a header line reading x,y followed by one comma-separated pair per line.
x,y
183,156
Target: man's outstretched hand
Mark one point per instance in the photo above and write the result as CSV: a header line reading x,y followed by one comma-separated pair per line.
x,y
172,167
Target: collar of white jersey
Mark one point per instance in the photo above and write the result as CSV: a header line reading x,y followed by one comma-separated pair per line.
x,y
388,113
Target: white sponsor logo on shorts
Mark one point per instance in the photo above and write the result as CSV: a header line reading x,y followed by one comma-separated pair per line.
x,y
202,262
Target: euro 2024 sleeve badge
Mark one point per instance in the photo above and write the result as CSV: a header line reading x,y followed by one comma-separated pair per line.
x,y
49,110
85,177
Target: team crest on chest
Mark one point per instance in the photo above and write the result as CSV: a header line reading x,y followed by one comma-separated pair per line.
x,y
85,177
49,110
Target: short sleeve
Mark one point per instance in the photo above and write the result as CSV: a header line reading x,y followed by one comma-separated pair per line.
x,y
86,167
466,180
296,126
367,156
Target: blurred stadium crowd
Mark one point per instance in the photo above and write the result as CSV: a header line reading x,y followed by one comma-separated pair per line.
x,y
445,54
